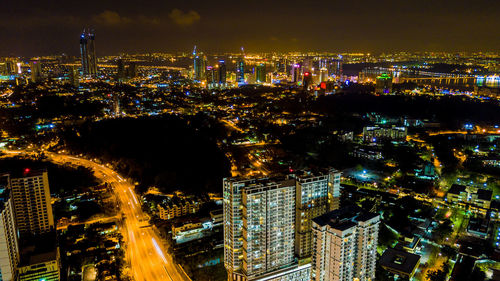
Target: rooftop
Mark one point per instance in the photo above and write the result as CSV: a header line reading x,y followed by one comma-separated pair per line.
x,y
344,218
399,261
456,189
484,194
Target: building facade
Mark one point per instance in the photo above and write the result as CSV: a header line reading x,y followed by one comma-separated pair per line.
x,y
87,52
31,197
268,232
316,194
182,207
9,249
345,245
43,266
261,218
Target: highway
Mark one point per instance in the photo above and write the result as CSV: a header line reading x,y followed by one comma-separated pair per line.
x,y
148,259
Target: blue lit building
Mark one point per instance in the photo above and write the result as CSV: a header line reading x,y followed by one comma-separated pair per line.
x,y
87,52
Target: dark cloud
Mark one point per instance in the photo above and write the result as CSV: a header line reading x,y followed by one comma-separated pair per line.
x,y
111,18
184,19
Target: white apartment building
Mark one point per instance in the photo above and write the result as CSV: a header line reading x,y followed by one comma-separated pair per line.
x,y
345,245
31,197
9,249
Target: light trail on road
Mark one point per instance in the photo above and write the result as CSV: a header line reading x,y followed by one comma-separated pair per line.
x,y
148,259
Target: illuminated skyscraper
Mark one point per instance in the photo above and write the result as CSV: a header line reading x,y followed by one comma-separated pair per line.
x,y
211,77
31,196
259,229
9,249
316,194
240,68
267,228
307,80
199,65
345,245
36,71
87,52
74,77
240,71
323,74
383,84
335,68
222,73
295,73
260,73
120,70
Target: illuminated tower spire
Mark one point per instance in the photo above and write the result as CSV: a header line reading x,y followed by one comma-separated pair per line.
x,y
240,68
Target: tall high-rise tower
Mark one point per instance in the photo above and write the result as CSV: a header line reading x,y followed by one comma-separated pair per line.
x,y
258,235
36,71
345,245
222,73
267,228
31,196
199,65
295,73
316,194
260,73
9,249
74,77
87,51
240,68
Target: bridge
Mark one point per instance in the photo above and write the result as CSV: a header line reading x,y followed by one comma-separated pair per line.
x,y
459,80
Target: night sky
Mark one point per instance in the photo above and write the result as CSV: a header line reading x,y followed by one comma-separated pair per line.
x,y
34,27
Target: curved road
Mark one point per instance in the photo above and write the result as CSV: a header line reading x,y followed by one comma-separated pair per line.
x,y
148,258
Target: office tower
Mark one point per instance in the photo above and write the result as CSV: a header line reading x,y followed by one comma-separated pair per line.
x,y
131,70
31,196
87,51
345,245
120,70
323,74
211,77
307,80
198,67
383,84
222,73
307,64
36,71
9,251
335,67
260,73
280,65
295,73
316,194
74,77
11,67
4,68
240,71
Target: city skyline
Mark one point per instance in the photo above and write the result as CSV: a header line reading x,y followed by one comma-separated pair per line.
x,y
35,28
250,141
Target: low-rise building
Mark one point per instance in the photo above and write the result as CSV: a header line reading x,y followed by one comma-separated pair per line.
x,y
372,134
460,194
177,207
40,266
217,217
400,262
